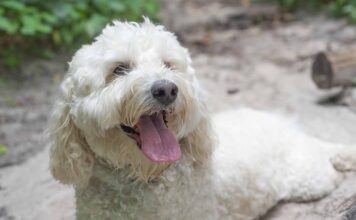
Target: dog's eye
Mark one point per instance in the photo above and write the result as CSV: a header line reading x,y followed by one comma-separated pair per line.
x,y
122,69
168,64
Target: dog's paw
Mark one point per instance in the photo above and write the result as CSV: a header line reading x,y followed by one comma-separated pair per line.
x,y
345,160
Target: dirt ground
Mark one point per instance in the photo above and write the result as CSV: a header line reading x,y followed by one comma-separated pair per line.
x,y
264,66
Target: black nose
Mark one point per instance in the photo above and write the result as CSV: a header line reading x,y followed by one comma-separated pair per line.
x,y
164,91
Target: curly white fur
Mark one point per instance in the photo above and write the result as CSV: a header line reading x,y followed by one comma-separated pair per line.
x,y
262,159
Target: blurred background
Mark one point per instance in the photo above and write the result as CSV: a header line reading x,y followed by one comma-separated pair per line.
x,y
258,54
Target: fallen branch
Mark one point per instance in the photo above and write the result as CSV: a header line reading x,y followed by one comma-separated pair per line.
x,y
334,69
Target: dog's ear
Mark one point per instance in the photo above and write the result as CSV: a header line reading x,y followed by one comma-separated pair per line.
x,y
199,144
70,159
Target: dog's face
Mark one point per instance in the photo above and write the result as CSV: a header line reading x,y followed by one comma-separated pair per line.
x,y
134,100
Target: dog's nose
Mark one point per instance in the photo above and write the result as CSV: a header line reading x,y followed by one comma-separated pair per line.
x,y
164,91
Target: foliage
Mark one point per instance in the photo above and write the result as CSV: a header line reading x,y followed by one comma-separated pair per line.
x,y
40,27
338,8
344,8
3,149
292,5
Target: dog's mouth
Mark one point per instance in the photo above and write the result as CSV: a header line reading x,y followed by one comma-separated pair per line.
x,y
154,138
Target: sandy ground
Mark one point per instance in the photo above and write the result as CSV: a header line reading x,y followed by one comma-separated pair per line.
x,y
260,67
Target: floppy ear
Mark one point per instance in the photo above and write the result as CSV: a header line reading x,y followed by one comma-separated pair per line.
x,y
199,144
70,159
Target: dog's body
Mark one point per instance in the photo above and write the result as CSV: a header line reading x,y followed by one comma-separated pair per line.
x,y
102,140
263,160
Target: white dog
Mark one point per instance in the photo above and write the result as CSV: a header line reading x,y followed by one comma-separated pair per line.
x,y
132,133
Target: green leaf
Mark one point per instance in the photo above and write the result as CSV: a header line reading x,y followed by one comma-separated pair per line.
x,y
82,6
7,25
33,24
102,6
66,11
3,149
95,24
43,28
51,19
67,37
152,8
79,27
135,7
14,5
117,6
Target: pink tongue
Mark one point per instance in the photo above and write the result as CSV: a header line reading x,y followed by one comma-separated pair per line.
x,y
157,141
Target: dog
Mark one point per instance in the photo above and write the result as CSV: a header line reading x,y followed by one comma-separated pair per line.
x,y
132,133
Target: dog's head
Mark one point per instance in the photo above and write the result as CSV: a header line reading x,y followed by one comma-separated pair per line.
x,y
131,98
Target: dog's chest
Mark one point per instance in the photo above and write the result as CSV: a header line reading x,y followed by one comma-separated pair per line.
x,y
182,193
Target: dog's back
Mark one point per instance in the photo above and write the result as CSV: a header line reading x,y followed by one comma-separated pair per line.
x,y
264,158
